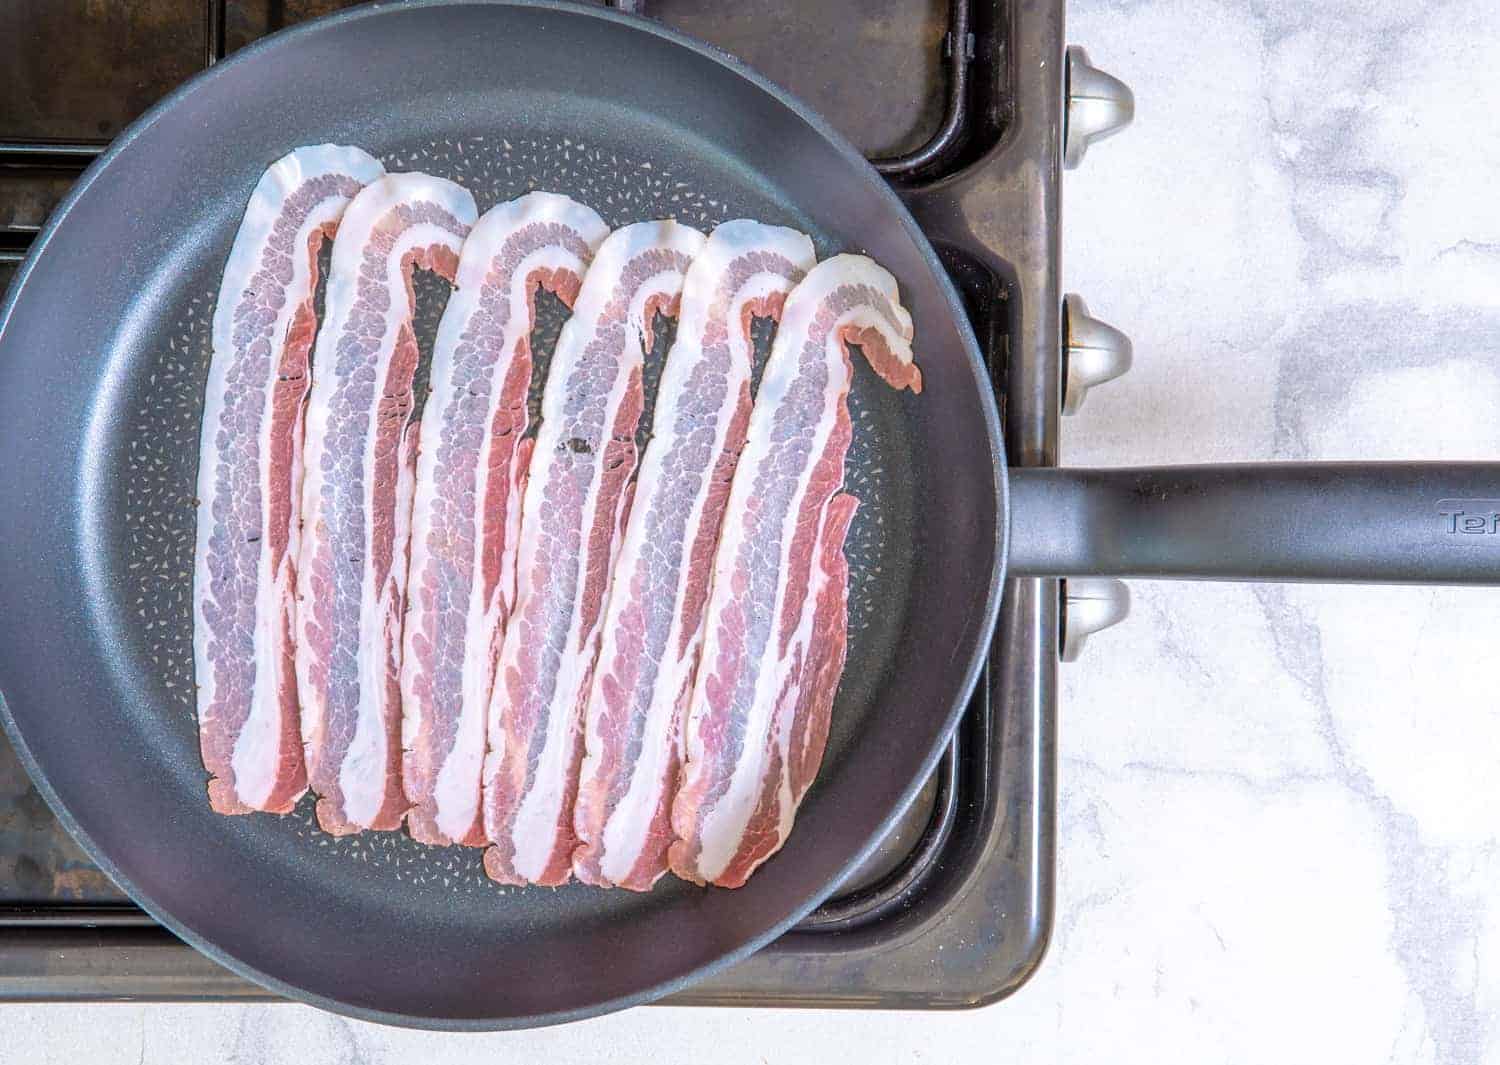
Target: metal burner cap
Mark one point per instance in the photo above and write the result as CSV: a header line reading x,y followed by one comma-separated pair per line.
x,y
1098,106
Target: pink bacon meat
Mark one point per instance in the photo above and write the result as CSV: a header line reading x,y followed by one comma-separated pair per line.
x,y
467,506
653,624
249,479
575,502
356,496
775,635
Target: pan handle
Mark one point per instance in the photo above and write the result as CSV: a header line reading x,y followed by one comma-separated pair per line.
x,y
1376,523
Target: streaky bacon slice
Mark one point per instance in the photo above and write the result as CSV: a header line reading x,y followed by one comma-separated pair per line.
x,y
356,495
468,498
250,479
774,639
575,503
653,624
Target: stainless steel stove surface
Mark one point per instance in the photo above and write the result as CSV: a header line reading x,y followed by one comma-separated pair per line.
x,y
969,108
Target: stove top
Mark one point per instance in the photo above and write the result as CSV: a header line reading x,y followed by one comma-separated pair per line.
x,y
969,108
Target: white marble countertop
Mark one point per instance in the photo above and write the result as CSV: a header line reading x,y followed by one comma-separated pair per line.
x,y
1280,807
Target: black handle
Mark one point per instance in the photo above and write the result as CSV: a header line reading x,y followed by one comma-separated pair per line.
x,y
1378,523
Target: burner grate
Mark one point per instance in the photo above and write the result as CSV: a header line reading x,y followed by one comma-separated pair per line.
x,y
888,878
955,908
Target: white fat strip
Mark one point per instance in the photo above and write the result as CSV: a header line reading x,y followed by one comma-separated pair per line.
x,y
456,789
534,834
724,825
255,757
362,774
722,828
626,829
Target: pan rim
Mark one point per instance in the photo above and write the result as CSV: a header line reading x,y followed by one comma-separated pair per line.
x,y
971,669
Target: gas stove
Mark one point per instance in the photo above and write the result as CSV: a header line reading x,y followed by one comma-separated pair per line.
x,y
971,109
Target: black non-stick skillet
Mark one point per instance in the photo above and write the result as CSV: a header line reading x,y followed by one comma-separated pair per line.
x,y
103,346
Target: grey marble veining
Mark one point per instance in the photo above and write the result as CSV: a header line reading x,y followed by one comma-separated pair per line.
x,y
1304,857
1280,806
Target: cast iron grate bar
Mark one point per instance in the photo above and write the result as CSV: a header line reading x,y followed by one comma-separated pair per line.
x,y
123,915
845,912
213,31
958,53
13,243
51,155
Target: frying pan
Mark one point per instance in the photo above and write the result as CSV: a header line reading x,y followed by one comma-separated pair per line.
x,y
103,347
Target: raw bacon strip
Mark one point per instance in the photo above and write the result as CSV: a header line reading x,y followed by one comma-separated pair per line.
x,y
653,625
468,498
357,495
774,638
575,502
249,479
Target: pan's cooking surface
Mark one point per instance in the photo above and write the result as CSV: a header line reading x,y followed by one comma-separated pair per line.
x,y
100,409
141,508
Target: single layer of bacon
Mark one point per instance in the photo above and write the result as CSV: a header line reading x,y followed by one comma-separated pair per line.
x,y
250,479
357,491
466,513
574,505
653,624
774,639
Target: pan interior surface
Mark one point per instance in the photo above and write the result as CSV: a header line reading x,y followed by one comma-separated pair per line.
x,y
101,410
